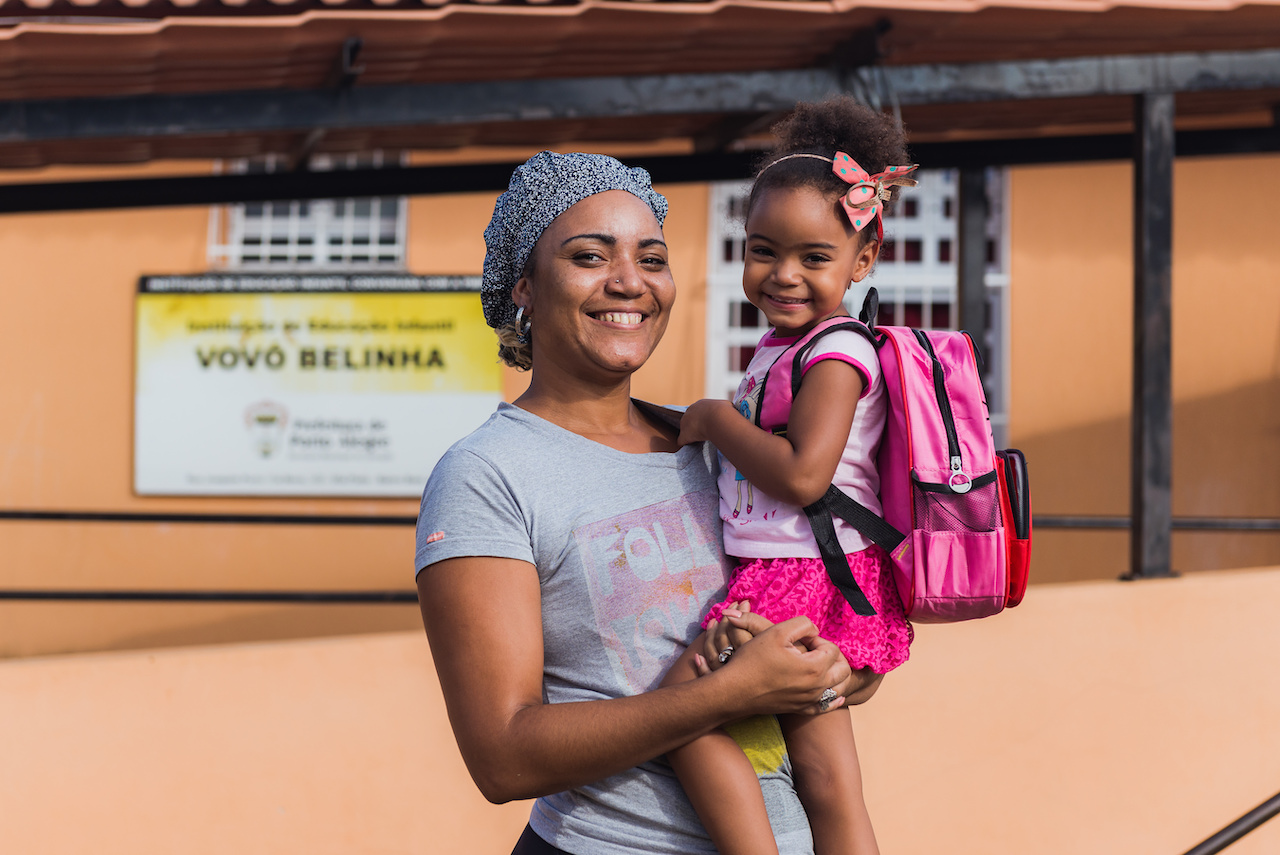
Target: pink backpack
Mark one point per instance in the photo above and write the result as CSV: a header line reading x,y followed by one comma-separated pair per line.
x,y
957,513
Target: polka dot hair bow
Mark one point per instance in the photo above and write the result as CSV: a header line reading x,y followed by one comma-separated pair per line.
x,y
868,193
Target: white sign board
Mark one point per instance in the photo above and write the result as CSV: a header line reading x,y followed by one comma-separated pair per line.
x,y
305,385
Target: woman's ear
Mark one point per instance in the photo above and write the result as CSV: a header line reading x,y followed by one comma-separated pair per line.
x,y
865,260
522,293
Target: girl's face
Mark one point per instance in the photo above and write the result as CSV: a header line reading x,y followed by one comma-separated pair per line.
x,y
802,253
599,291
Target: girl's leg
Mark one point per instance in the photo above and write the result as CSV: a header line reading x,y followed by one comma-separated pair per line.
x,y
829,781
720,782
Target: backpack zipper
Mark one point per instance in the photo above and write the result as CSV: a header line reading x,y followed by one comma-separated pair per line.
x,y
958,482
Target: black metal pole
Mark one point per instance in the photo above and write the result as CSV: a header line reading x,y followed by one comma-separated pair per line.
x,y
971,234
1152,440
1238,829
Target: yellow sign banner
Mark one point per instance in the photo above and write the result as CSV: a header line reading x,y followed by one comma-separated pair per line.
x,y
306,393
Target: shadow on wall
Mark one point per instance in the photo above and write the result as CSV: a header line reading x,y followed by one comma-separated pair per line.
x,y
1226,451
48,628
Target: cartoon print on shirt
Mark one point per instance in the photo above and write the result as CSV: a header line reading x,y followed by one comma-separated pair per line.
x,y
748,404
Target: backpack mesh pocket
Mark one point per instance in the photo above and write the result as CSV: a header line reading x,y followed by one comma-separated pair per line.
x,y
937,508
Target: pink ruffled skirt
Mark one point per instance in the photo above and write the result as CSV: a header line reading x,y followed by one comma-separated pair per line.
x,y
782,588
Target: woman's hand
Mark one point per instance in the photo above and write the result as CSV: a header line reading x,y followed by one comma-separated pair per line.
x,y
739,625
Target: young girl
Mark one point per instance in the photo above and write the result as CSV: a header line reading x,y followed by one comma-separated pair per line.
x,y
813,227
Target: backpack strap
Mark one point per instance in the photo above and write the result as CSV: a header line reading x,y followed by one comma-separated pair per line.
x,y
867,522
797,353
806,347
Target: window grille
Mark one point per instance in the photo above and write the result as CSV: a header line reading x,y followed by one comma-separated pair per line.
x,y
310,234
916,278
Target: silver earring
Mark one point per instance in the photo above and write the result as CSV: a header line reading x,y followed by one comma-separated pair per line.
x,y
522,333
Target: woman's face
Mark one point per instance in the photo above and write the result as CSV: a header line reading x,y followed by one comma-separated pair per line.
x,y
599,290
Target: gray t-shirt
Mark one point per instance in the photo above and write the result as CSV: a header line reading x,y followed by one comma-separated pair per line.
x,y
629,556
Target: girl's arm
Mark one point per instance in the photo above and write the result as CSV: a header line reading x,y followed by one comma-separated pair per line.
x,y
797,468
483,619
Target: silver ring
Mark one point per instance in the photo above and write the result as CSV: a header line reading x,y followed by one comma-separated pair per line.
x,y
824,702
725,654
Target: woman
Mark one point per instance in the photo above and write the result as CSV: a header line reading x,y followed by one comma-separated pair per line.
x,y
568,548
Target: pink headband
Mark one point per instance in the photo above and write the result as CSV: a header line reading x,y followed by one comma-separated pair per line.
x,y
863,201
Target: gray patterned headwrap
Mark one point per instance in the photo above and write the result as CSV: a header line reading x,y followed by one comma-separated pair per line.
x,y
541,189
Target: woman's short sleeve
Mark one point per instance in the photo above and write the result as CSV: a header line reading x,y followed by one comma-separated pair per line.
x,y
469,509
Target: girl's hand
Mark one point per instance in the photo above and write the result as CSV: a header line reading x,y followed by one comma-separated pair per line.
x,y
697,424
739,625
724,636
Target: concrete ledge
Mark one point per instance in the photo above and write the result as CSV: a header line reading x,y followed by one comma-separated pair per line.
x,y
1096,717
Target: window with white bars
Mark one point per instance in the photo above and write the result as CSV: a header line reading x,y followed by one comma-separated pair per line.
x,y
310,234
916,278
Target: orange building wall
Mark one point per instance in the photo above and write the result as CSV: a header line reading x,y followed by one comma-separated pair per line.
x,y
1072,286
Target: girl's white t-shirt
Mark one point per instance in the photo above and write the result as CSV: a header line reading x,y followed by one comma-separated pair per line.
x,y
758,526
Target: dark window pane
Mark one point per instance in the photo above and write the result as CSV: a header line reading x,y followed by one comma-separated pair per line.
x,y
944,251
910,208
889,252
912,250
946,208
991,252
748,314
941,316
912,315
741,357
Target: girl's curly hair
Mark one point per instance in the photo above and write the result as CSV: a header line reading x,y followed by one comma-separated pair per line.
x,y
875,140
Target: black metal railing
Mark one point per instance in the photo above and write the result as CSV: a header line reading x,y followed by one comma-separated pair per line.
x,y
206,596
1056,521
1179,523
1242,826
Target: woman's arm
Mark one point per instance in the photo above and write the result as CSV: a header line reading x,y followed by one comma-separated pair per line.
x,y
797,468
483,619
